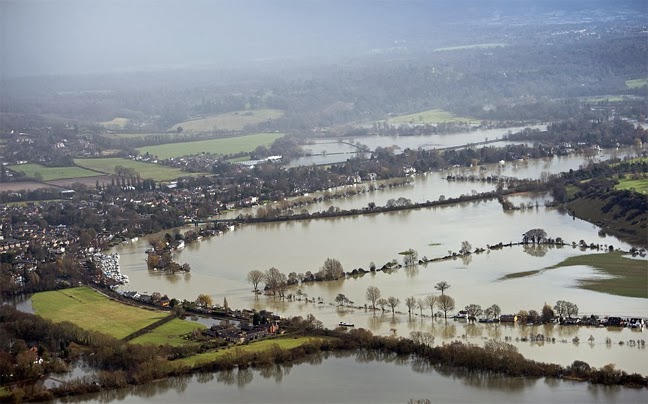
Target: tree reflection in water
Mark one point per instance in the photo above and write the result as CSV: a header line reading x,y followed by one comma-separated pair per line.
x,y
486,380
536,250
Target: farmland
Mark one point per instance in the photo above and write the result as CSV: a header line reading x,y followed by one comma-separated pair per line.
x,y
146,170
235,120
217,146
52,173
93,311
431,116
170,333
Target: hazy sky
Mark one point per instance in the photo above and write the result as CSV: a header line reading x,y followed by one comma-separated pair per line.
x,y
80,36
97,35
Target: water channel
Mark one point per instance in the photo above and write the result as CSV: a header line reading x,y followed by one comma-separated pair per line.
x,y
345,377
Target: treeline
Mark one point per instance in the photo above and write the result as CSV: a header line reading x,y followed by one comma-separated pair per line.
x,y
605,134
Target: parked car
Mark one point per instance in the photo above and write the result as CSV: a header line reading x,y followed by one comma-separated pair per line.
x,y
636,323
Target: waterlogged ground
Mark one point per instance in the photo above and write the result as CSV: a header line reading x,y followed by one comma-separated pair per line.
x,y
219,264
347,376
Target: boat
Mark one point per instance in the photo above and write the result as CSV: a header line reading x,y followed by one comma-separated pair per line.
x,y
345,324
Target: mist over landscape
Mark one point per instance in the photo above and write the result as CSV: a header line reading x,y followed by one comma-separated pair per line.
x,y
197,197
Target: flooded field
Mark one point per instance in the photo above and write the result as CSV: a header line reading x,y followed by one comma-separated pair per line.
x,y
343,377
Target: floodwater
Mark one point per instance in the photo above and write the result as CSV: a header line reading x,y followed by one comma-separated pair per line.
x,y
220,264
330,151
343,377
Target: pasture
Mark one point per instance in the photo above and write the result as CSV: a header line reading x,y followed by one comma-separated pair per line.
x,y
52,173
155,172
235,120
216,146
170,333
637,184
259,346
91,310
431,116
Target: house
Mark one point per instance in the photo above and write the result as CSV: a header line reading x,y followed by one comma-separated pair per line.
x,y
508,318
165,301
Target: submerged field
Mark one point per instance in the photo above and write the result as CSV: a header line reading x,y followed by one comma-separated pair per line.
x,y
52,173
626,277
91,310
145,170
228,145
235,120
431,116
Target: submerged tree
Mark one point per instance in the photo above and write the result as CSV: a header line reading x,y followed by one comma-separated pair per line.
x,y
446,304
393,302
410,302
372,295
255,277
442,286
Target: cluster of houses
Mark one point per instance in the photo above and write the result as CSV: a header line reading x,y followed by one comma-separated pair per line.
x,y
243,332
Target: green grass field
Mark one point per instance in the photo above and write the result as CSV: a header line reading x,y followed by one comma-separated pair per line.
x,y
235,120
133,135
638,185
283,342
475,46
170,333
217,146
93,311
53,173
629,277
431,116
116,123
156,172
636,83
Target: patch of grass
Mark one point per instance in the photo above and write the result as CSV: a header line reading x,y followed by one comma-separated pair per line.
x,y
235,120
156,172
52,173
636,83
133,135
170,333
474,46
91,310
266,344
430,116
629,276
217,146
4,392
638,185
38,203
434,244
519,274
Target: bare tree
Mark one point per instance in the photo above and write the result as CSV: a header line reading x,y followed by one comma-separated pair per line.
x,y
534,236
382,303
442,286
372,295
341,299
465,247
255,277
446,304
431,301
410,302
393,302
272,279
411,258
473,311
421,304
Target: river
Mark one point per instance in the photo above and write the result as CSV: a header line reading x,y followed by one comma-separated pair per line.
x,y
360,377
